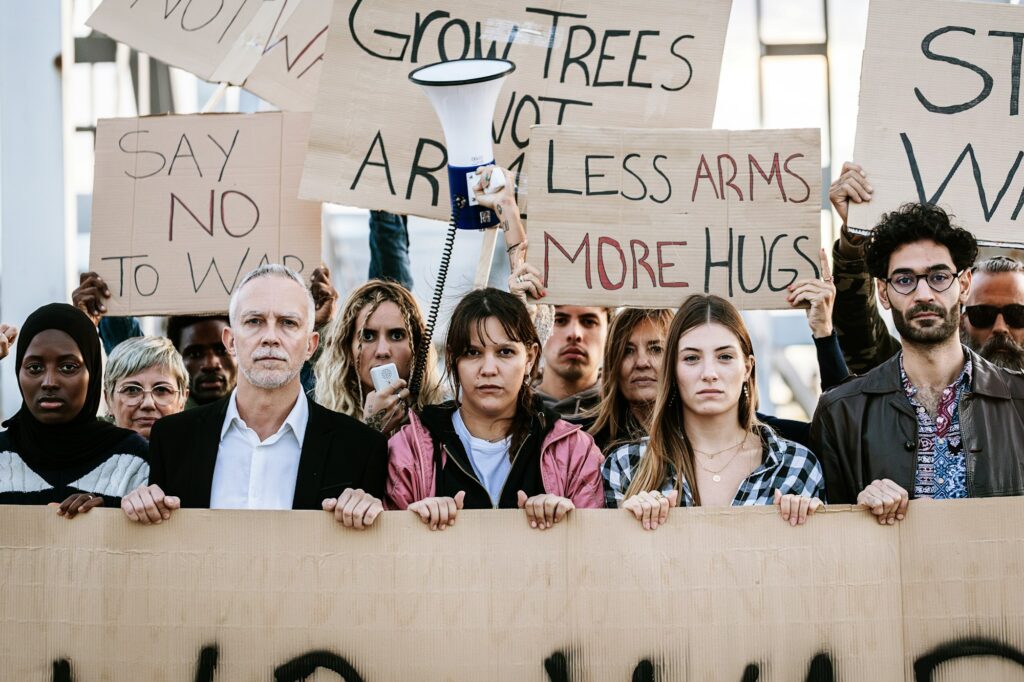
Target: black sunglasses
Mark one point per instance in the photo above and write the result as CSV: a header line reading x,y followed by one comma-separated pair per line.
x,y
984,316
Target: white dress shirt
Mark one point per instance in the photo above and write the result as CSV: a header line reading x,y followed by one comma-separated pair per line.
x,y
250,474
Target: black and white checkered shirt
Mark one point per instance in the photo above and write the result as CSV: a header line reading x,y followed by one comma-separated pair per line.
x,y
786,466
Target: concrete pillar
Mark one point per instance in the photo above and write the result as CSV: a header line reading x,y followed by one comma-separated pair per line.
x,y
37,239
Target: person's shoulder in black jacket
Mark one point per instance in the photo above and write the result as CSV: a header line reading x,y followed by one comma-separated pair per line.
x,y
338,452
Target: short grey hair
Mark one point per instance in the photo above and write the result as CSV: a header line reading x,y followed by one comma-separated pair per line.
x,y
272,270
997,264
139,354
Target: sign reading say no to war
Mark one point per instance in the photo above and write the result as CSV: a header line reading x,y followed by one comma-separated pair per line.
x,y
376,142
626,217
940,114
184,206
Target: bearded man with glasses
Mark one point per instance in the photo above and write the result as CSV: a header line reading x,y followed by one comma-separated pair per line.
x,y
936,420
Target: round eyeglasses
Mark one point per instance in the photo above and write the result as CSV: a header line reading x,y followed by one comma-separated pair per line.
x,y
938,280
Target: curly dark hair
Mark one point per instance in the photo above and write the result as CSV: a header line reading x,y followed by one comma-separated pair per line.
x,y
916,222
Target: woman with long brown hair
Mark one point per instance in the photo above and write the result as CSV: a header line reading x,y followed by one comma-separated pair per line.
x,y
380,323
496,446
706,445
629,379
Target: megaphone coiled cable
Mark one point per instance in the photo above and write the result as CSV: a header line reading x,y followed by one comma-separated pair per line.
x,y
423,352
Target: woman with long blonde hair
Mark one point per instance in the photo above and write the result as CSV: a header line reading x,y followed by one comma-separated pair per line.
x,y
706,445
380,323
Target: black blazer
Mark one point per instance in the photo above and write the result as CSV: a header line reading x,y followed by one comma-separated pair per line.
x,y
338,452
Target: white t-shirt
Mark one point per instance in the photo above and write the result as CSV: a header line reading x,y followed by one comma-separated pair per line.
x,y
490,460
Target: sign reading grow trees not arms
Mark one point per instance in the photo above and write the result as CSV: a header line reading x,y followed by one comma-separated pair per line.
x,y
627,217
184,206
946,125
376,142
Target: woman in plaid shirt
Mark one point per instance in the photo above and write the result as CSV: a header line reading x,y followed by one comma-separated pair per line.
x,y
706,446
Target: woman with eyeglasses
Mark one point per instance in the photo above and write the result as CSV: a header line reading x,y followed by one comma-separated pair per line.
x,y
55,450
145,379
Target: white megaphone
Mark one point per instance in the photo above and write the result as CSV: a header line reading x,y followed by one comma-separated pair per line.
x,y
464,93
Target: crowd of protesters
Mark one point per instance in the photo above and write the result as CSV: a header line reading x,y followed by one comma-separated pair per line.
x,y
542,408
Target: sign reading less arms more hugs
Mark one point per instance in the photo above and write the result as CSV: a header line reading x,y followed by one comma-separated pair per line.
x,y
184,206
940,117
626,217
376,142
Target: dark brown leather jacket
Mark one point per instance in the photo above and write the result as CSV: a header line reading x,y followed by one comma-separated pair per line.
x,y
866,429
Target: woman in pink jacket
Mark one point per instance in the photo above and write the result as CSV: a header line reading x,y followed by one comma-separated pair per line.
x,y
495,446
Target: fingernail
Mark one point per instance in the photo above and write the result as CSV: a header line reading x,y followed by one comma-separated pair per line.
x,y
166,515
533,524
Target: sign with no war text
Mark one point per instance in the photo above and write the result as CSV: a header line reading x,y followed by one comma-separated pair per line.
x,y
940,116
184,206
376,142
645,218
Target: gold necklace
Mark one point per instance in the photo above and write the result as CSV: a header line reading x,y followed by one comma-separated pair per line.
x,y
716,474
711,455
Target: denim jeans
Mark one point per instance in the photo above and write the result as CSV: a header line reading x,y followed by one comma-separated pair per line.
x,y
389,248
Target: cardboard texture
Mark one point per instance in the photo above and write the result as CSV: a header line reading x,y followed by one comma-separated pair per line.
x,y
184,206
217,40
645,218
730,594
288,73
939,117
375,141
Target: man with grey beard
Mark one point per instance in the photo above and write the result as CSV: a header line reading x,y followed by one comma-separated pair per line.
x,y
266,445
936,420
993,321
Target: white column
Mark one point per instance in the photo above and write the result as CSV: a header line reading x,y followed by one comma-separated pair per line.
x,y
37,245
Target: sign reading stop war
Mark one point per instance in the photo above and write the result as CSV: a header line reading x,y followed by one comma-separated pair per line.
x,y
940,114
274,47
628,217
184,206
376,142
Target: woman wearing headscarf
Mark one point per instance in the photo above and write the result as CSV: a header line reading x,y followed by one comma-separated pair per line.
x,y
55,450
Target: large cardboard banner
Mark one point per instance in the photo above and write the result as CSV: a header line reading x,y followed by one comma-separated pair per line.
x,y
184,206
375,141
627,217
939,117
734,594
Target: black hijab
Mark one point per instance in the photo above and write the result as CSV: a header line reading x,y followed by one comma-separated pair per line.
x,y
49,447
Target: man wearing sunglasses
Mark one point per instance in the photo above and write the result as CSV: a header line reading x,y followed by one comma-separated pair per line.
x,y
863,336
993,323
936,420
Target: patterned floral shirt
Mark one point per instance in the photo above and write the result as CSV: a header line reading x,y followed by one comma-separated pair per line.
x,y
941,464
786,466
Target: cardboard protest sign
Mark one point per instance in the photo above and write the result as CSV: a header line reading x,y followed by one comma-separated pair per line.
x,y
376,142
939,117
724,594
628,217
184,206
217,40
288,73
